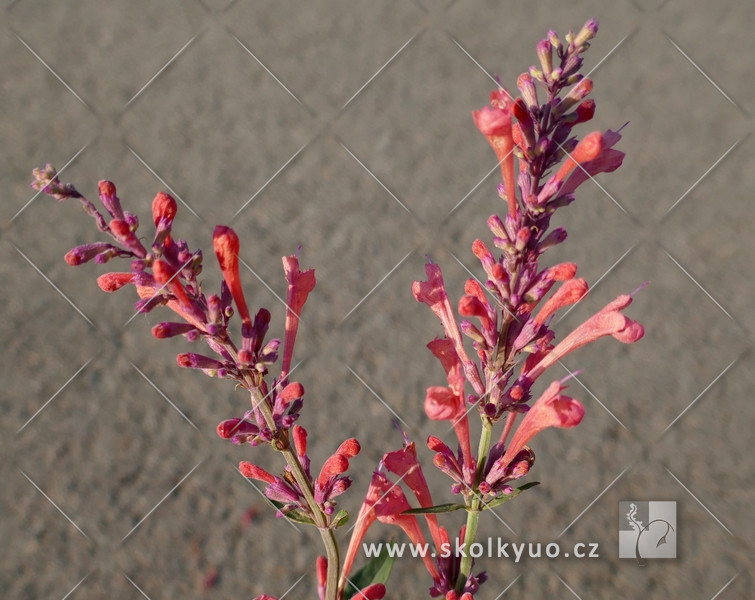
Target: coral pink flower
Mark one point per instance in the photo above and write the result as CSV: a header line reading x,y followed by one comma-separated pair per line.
x,y
110,282
300,284
607,321
447,403
570,292
433,293
385,502
588,149
252,471
494,122
377,491
338,462
552,409
321,567
165,275
404,463
226,245
608,160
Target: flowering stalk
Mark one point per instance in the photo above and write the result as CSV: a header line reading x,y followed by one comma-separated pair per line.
x,y
512,339
166,274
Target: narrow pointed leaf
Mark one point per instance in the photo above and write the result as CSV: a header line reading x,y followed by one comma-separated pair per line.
x,y
503,499
439,508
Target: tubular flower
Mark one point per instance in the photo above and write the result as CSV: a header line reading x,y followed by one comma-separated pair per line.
x,y
300,284
226,244
447,403
552,409
404,463
495,124
378,491
433,293
607,321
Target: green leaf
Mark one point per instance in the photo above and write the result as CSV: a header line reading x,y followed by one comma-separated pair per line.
x,y
294,515
340,518
377,570
503,499
440,508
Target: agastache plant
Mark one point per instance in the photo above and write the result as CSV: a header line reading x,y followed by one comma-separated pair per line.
x,y
506,321
506,318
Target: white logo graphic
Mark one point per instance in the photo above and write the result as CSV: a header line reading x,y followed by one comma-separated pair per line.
x,y
647,529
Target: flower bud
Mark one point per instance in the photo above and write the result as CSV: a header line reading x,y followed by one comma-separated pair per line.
x,y
252,471
81,254
300,439
163,207
293,391
544,53
349,448
110,282
168,330
109,200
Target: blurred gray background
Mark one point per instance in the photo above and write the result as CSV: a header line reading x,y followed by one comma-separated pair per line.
x,y
345,127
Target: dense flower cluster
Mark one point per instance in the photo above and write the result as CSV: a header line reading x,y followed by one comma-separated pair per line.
x,y
166,274
507,318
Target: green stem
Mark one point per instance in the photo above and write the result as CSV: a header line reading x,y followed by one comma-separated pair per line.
x,y
473,512
321,520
